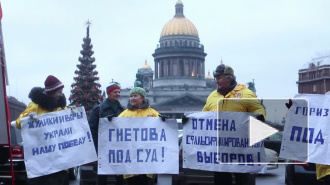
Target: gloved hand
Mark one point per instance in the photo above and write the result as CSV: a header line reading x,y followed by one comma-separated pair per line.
x,y
184,119
289,104
110,117
73,109
162,117
261,117
33,115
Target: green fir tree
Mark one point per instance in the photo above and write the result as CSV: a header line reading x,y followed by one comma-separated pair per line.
x,y
85,89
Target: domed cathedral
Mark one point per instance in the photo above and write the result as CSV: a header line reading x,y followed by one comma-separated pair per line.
x,y
178,83
179,57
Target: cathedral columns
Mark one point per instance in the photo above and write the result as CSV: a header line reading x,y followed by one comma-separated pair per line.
x,y
203,69
171,67
165,69
156,69
190,67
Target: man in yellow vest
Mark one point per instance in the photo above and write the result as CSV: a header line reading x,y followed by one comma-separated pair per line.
x,y
229,88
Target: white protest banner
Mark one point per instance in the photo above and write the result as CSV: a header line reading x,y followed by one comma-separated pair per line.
x,y
200,142
138,145
56,141
306,135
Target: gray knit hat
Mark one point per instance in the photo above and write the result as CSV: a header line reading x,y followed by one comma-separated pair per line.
x,y
138,90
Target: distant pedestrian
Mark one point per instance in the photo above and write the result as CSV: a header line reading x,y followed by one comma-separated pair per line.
x,y
109,108
45,100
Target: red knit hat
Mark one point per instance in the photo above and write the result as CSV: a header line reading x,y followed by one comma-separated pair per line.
x,y
52,84
112,87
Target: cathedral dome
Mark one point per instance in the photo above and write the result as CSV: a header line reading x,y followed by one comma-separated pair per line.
x,y
145,66
209,76
179,25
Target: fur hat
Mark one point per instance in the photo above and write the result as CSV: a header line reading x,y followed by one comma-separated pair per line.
x,y
138,90
112,87
223,69
52,84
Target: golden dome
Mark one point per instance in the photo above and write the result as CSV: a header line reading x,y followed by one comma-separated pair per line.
x,y
209,76
179,25
179,2
145,66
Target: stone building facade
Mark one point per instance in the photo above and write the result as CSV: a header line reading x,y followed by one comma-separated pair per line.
x,y
178,83
15,108
314,76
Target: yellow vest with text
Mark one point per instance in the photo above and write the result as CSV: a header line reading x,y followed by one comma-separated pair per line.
x,y
147,112
215,100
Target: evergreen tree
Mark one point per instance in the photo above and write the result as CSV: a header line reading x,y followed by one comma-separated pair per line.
x,y
85,89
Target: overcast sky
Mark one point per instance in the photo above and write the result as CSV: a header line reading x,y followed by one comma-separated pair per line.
x,y
267,41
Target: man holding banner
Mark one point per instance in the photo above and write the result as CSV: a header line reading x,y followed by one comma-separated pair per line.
x,y
109,108
45,100
229,88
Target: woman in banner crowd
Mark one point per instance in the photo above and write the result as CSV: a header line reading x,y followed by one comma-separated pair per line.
x,y
138,106
44,100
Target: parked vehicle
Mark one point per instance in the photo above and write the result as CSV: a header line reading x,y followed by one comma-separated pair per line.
x,y
274,142
73,173
272,158
88,174
300,174
18,161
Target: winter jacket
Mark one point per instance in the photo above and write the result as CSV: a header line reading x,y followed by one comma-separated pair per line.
x,y
239,91
41,103
105,109
322,170
143,111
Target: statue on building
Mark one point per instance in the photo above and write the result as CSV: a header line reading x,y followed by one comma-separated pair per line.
x,y
138,81
186,87
251,86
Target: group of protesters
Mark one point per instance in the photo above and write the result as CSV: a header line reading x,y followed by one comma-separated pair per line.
x,y
50,98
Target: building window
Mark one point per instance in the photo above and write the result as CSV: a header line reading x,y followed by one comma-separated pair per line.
x,y
314,88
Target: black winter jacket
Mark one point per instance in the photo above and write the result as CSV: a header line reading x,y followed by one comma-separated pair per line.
x,y
106,110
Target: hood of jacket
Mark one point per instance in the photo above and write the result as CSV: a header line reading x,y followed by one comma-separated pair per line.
x,y
144,105
40,97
